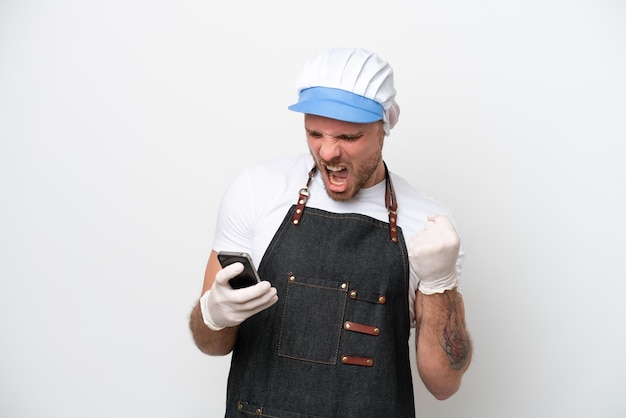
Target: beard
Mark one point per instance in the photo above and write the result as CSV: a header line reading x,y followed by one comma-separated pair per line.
x,y
360,176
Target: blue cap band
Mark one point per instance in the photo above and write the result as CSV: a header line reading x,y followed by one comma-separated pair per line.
x,y
338,104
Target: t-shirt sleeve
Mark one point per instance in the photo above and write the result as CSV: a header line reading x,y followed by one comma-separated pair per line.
x,y
234,229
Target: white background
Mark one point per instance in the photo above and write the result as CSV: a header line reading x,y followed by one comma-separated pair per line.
x,y
122,121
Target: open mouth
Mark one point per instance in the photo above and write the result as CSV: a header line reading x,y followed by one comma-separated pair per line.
x,y
337,176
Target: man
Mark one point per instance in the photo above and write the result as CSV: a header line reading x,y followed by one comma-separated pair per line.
x,y
325,333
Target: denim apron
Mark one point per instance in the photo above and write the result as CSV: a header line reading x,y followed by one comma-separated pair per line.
x,y
336,342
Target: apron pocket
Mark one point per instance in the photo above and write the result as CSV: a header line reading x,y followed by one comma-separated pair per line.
x,y
312,319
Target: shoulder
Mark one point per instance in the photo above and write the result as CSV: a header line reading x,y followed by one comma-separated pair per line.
x,y
415,197
268,184
414,206
256,201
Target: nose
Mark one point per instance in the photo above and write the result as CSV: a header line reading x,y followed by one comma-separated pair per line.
x,y
329,149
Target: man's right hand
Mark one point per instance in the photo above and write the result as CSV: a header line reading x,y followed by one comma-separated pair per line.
x,y
222,306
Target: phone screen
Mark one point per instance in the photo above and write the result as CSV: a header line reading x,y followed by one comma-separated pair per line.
x,y
248,276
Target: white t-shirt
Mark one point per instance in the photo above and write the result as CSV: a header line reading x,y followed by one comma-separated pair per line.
x,y
257,200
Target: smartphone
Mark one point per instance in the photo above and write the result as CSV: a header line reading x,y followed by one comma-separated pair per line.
x,y
249,275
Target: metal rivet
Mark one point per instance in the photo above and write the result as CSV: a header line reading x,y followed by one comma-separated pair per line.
x,y
295,222
301,201
353,294
346,325
298,211
240,406
376,331
382,299
393,229
394,239
368,362
393,219
259,411
292,278
344,359
343,285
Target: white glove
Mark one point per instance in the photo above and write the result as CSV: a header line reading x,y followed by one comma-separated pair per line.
x,y
433,253
222,306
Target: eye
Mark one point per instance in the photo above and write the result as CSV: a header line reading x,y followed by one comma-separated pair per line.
x,y
349,138
314,134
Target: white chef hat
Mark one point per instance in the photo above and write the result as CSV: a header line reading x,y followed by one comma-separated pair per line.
x,y
348,84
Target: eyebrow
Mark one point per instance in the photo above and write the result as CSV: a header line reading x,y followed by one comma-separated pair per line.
x,y
354,135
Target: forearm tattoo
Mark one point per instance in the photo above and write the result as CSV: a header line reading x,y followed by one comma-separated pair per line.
x,y
453,338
